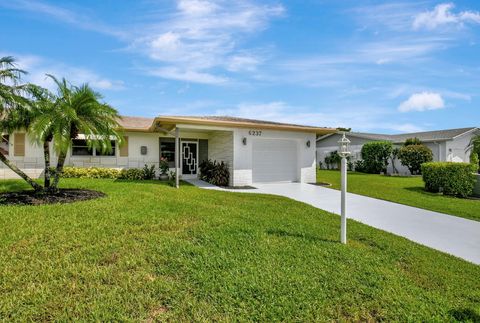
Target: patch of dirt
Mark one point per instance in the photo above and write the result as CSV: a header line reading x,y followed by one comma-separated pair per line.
x,y
155,313
30,197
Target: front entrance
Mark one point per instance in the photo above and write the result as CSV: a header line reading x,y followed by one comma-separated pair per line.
x,y
189,161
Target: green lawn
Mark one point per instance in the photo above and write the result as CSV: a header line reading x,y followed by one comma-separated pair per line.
x,y
404,190
150,252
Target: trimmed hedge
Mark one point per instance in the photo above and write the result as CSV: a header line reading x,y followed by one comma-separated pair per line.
x,y
109,173
449,178
91,172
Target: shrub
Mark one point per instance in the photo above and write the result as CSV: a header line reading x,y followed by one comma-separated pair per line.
x,y
91,172
412,141
333,160
172,178
359,166
413,156
216,173
449,178
148,172
206,168
375,156
474,161
221,174
164,167
131,174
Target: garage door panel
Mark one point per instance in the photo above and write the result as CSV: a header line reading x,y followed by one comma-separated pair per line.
x,y
274,160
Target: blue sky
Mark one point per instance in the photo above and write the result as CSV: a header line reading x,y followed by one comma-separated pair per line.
x,y
374,66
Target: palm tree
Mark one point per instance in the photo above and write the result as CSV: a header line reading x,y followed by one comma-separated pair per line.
x,y
75,110
14,108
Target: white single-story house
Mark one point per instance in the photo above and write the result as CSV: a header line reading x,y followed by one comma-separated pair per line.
x,y
446,145
255,151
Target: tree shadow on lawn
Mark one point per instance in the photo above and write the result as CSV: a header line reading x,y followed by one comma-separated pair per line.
x,y
421,190
13,186
465,315
309,237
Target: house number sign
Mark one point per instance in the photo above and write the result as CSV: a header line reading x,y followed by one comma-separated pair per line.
x,y
256,133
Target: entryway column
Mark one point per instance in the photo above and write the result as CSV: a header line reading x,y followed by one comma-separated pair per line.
x,y
177,157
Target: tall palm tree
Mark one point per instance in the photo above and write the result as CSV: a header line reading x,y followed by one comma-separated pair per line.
x,y
76,110
14,108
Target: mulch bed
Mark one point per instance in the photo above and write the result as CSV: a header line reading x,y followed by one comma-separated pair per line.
x,y
30,197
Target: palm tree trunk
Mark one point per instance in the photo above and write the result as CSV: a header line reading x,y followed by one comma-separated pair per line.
x,y
58,171
46,155
20,173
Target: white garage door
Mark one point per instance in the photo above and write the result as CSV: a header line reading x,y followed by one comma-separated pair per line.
x,y
274,160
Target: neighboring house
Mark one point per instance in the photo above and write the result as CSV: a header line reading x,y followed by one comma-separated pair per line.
x,y
446,145
255,151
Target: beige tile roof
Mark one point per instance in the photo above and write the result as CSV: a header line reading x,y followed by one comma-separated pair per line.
x,y
136,123
145,124
242,122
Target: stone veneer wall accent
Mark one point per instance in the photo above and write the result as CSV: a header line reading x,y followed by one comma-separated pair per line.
x,y
220,148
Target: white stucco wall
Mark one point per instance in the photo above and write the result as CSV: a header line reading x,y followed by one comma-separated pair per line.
x,y
220,148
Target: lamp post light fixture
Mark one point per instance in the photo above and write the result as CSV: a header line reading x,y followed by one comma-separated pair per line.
x,y
344,152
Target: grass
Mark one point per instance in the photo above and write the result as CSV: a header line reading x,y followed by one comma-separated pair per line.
x,y
150,252
403,190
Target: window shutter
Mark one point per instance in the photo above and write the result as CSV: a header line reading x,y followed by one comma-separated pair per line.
x,y
19,144
124,147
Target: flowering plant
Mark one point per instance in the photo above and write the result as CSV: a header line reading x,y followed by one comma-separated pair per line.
x,y
164,166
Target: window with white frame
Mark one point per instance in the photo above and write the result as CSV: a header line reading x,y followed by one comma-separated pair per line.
x,y
80,148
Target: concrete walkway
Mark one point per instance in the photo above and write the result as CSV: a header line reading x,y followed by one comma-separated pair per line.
x,y
454,235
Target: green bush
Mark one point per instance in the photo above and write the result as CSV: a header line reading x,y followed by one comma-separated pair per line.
x,y
332,161
449,178
216,173
413,156
474,161
131,174
359,166
412,141
375,156
90,172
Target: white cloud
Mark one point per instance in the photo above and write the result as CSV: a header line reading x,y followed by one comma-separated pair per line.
x,y
38,67
405,127
203,37
62,14
442,15
179,74
422,101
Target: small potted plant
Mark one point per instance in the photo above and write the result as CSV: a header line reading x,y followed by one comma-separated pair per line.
x,y
164,168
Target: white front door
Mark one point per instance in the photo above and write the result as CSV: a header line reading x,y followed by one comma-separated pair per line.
x,y
274,160
189,162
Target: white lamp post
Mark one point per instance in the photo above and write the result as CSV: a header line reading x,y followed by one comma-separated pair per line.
x,y
344,152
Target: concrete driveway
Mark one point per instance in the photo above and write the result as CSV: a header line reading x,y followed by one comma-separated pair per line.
x,y
457,236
